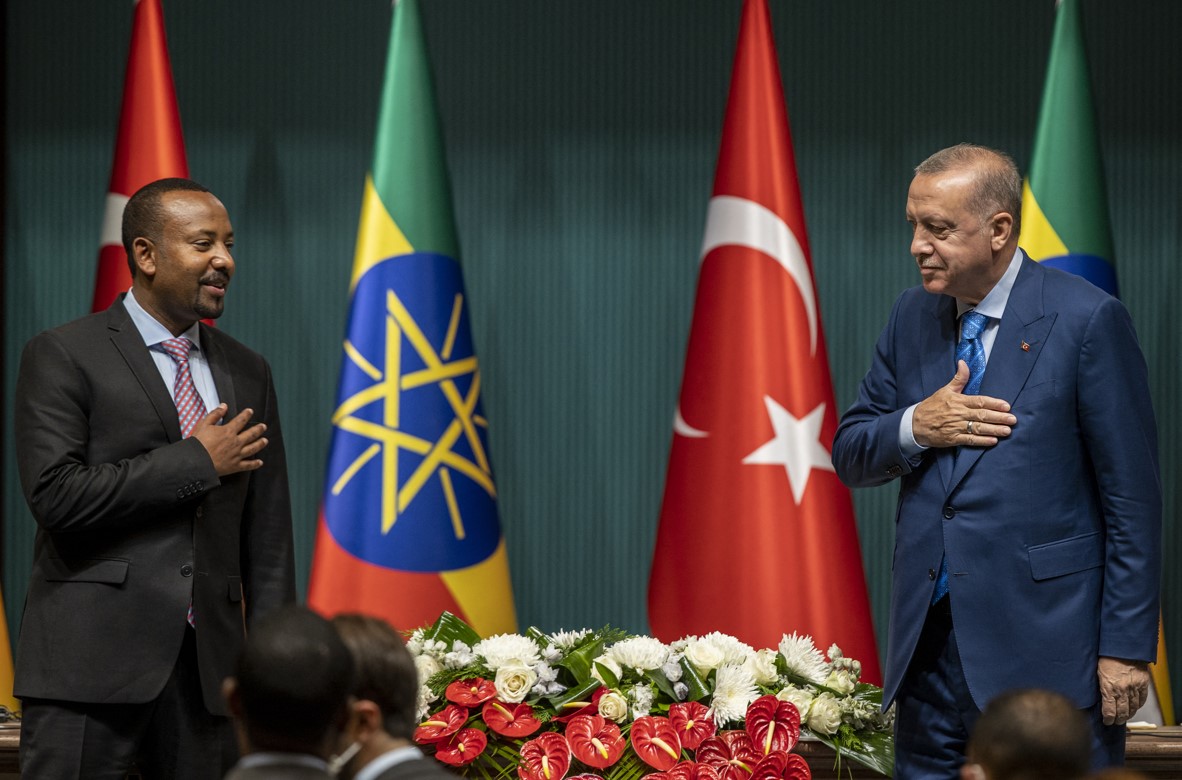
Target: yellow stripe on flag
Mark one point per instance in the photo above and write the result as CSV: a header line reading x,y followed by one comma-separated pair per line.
x,y
6,675
1160,672
1038,239
378,237
481,592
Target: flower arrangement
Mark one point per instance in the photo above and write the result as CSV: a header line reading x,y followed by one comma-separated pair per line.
x,y
608,704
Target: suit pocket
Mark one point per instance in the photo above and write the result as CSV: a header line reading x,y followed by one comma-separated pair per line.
x,y
1066,556
112,571
234,588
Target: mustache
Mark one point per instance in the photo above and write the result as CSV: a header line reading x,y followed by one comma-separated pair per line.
x,y
216,278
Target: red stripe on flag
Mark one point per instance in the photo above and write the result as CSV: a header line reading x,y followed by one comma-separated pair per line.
x,y
342,582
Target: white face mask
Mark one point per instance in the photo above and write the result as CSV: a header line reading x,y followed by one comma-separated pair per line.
x,y
341,760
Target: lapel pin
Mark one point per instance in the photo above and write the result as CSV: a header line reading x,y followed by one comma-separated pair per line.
x,y
1025,347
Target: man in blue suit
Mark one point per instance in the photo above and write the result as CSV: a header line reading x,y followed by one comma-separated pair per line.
x,y
1011,401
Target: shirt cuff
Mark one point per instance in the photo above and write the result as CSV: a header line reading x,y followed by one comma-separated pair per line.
x,y
910,448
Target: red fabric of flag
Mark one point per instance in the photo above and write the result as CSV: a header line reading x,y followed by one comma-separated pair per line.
x,y
149,147
757,536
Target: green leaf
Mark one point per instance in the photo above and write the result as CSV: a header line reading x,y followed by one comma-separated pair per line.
x,y
449,628
578,661
699,688
659,679
581,693
608,676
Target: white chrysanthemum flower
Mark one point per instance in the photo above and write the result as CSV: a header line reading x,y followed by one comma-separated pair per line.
x,y
426,666
680,690
415,643
734,690
551,654
763,667
672,669
546,673
640,652
567,640
507,648
423,704
733,651
803,658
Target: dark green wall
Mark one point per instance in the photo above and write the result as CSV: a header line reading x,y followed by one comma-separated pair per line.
x,y
582,139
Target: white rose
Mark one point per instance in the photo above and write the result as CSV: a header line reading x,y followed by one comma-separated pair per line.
x,y
800,698
513,681
426,666
704,656
762,666
825,714
842,682
613,706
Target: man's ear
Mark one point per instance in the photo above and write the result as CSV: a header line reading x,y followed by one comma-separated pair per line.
x,y
143,255
366,720
232,696
1001,229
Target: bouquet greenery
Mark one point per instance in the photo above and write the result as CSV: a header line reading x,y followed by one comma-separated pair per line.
x,y
609,704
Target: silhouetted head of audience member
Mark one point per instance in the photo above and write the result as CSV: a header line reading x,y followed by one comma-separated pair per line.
x,y
1029,735
386,689
292,686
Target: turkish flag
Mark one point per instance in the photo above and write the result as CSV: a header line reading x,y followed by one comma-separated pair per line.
x,y
149,147
757,536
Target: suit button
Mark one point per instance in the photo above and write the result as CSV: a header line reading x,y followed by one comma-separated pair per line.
x,y
180,493
949,513
931,574
186,570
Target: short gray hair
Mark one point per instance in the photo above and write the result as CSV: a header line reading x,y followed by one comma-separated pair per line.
x,y
998,183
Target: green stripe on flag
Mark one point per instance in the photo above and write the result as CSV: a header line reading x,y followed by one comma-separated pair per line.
x,y
1066,173
409,166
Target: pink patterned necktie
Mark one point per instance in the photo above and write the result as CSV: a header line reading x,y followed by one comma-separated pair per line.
x,y
189,406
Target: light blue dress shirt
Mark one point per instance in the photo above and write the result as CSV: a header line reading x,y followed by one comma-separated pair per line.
x,y
153,333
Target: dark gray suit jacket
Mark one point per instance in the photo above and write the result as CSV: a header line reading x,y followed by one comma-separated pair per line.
x,y
133,519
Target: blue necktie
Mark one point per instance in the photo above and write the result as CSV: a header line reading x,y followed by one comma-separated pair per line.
x,y
973,354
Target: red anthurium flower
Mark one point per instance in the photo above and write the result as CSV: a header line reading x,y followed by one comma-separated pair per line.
x,y
470,693
797,768
689,770
510,720
591,776
576,708
546,757
770,767
595,741
441,725
461,748
773,724
655,742
693,722
730,753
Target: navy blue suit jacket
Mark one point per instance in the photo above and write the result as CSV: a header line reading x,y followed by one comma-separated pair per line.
x,y
1053,536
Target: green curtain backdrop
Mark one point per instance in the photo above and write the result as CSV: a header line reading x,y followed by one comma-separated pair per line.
x,y
582,140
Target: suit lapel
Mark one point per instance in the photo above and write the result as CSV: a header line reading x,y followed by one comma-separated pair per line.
x,y
939,362
1020,338
219,366
127,339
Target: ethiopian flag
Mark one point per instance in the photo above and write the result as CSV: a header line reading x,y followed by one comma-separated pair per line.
x,y
1065,215
1064,205
408,525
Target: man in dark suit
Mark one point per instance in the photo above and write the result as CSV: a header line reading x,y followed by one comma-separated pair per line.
x,y
290,697
162,534
385,697
1028,526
